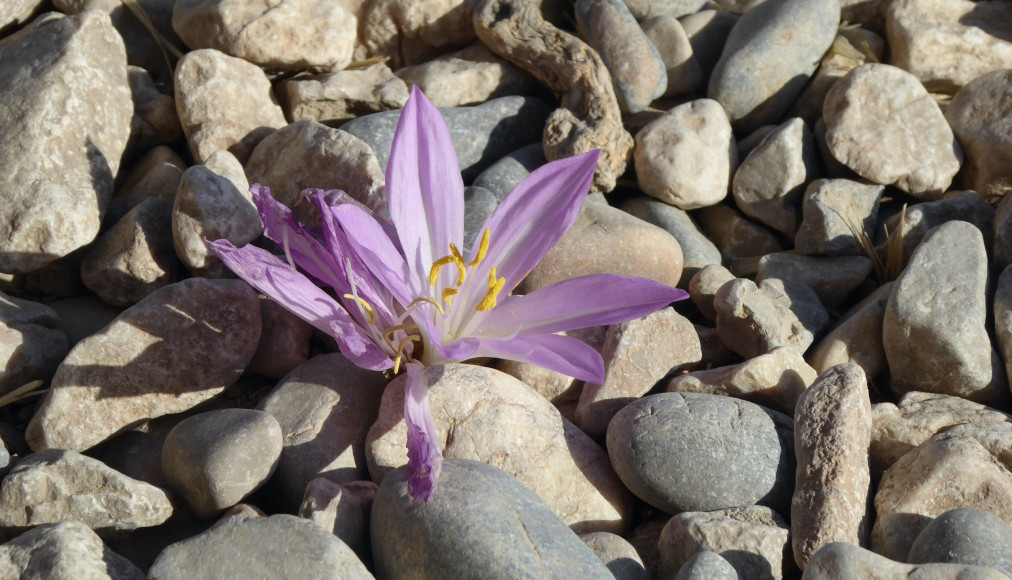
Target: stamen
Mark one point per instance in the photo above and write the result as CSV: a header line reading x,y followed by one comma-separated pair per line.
x,y
400,350
455,259
390,331
495,286
448,294
418,301
482,249
363,305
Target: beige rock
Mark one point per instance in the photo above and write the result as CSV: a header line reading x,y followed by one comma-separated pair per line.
x,y
918,219
31,344
342,509
306,155
882,124
775,379
16,12
897,429
832,277
750,322
637,353
280,35
979,116
617,554
284,341
224,103
857,337
342,95
410,33
843,55
994,436
704,285
948,43
832,432
558,388
735,235
213,203
672,43
64,551
943,473
834,214
155,121
469,76
157,174
753,539
840,560
606,240
687,156
530,440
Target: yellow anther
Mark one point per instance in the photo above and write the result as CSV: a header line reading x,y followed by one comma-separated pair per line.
x,y
482,249
364,306
455,259
448,294
400,350
495,286
388,333
418,301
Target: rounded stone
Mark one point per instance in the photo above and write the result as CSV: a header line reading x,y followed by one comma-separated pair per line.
x,y
965,536
707,566
980,115
697,452
698,251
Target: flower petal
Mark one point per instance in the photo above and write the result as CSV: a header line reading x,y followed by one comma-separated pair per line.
x,y
377,251
595,300
297,294
425,457
563,354
424,186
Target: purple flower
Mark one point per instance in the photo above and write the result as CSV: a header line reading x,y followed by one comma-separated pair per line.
x,y
403,294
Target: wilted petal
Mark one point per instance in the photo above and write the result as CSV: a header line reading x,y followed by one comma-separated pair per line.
x,y
595,300
377,251
297,294
563,354
425,456
424,186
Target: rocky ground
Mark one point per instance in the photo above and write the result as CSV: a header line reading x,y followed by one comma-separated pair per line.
x,y
826,178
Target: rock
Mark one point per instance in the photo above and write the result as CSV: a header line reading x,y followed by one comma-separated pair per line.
x,y
58,485
31,343
284,341
81,317
617,554
480,134
1003,317
154,121
1002,249
698,251
288,35
832,278
993,436
883,124
412,33
934,327
835,214
215,459
752,539
643,9
912,224
857,337
771,180
558,388
665,32
707,566
278,546
707,31
775,379
965,536
977,115
735,235
801,299
637,353
135,257
900,428
703,288
694,452
832,432
17,12
307,154
157,174
687,156
60,175
606,240
502,176
638,73
224,102
342,509
213,203
769,56
752,323
342,95
469,76
843,55
948,43
178,347
531,442
64,551
481,522
479,204
840,561
325,407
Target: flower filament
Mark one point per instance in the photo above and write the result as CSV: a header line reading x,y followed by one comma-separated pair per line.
x,y
495,284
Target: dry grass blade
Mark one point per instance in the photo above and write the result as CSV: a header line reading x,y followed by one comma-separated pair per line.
x,y
367,62
23,392
163,43
894,247
858,231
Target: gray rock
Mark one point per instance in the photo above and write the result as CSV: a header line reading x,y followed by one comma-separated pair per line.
x,y
279,546
984,131
171,351
705,284
481,135
60,174
1003,317
284,341
842,561
642,9
340,96
934,327
771,181
707,566
697,250
502,176
835,212
31,343
843,55
155,121
479,203
215,459
81,317
638,73
832,277
343,509
707,31
769,56
735,235
919,218
801,299
58,485
481,523
64,551
686,452
665,32
617,554
857,337
1002,251
325,407
965,536
751,323
156,174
